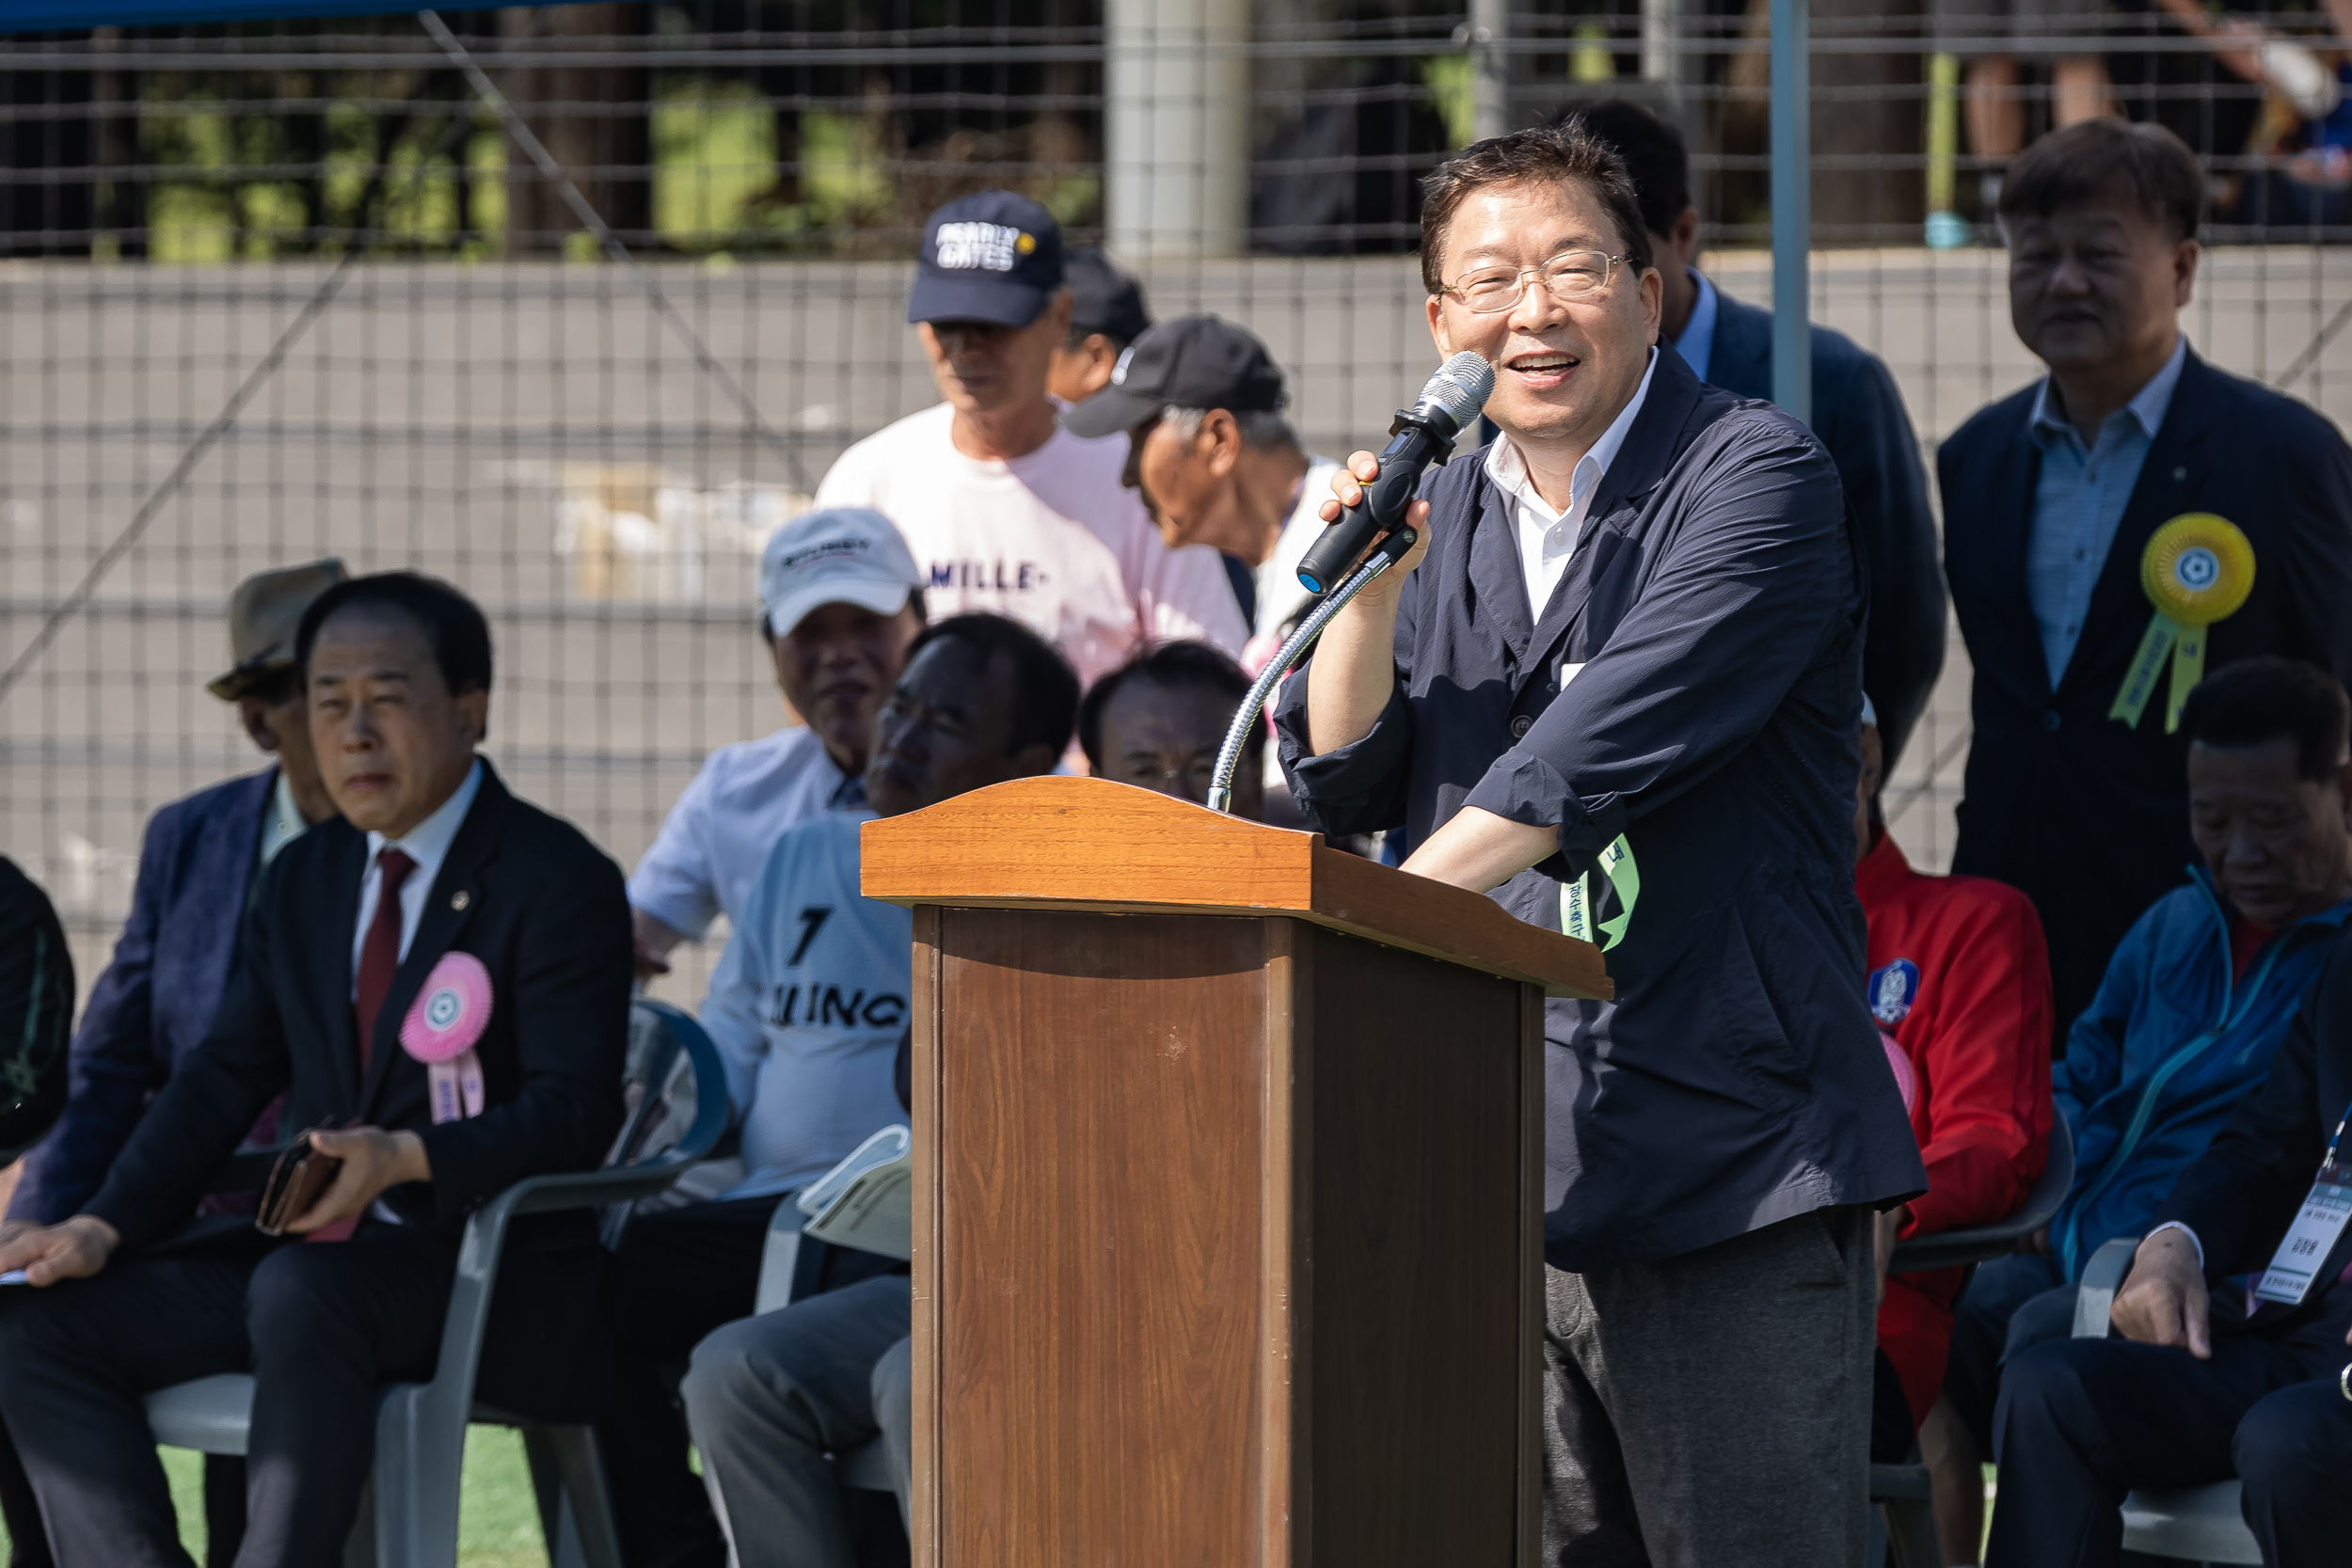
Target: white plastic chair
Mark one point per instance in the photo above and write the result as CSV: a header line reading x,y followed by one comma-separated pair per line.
x,y
421,1427
2196,1524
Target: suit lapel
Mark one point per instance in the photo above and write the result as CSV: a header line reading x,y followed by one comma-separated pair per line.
x,y
326,943
2173,471
1498,582
2004,528
456,894
1640,468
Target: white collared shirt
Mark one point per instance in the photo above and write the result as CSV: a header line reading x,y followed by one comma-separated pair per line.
x,y
428,844
282,821
1548,538
1697,344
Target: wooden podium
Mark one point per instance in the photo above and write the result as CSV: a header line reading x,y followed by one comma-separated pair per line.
x,y
1229,1154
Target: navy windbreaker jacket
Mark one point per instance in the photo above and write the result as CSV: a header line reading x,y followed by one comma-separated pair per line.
x,y
1715,603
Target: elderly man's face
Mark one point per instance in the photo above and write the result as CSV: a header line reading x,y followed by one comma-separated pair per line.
x,y
393,742
2274,844
983,368
1563,368
947,729
1165,739
2097,284
834,669
1186,481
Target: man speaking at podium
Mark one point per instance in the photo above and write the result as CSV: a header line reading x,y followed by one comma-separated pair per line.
x,y
1617,685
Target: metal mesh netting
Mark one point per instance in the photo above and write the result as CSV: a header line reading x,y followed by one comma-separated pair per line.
x,y
483,397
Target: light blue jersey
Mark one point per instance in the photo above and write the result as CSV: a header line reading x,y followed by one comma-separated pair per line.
x,y
807,1006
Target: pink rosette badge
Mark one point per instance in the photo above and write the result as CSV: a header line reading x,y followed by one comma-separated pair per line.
x,y
443,1026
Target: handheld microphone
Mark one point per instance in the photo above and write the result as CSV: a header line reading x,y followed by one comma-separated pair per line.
x,y
1424,435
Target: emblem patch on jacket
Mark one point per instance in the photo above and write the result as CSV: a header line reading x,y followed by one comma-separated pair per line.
x,y
1893,988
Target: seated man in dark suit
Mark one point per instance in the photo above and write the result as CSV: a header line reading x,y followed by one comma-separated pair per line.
x,y
200,866
2053,497
2227,1353
433,872
1857,412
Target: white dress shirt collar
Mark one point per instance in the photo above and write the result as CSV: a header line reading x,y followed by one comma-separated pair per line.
x,y
428,844
1547,539
428,841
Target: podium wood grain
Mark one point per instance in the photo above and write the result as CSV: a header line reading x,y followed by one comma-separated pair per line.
x,y
1226,1230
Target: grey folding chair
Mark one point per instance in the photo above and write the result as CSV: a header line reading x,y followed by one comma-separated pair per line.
x,y
2195,1523
421,1427
1903,1489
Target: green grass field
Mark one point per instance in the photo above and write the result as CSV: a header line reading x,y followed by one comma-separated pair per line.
x,y
498,1522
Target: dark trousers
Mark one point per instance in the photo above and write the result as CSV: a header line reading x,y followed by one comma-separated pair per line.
x,y
2082,1423
1713,1409
28,1539
682,1273
2010,1304
319,1326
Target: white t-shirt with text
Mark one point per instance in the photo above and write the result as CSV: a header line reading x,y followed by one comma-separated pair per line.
x,y
807,1009
1051,539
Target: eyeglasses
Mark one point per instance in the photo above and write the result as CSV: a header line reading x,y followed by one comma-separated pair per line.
x,y
1570,274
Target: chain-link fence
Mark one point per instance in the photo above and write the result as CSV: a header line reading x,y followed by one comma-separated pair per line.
x,y
596,449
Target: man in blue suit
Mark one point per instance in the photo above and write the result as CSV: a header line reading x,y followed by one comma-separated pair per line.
x,y
1857,412
2052,498
198,868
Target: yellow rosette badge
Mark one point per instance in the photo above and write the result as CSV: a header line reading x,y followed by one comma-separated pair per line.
x,y
2198,569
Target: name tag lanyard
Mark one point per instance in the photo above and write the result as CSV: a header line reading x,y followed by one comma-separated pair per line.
x,y
2312,1236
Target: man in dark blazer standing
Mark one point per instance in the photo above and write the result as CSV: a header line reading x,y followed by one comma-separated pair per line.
x,y
433,860
1857,412
2051,497
1625,661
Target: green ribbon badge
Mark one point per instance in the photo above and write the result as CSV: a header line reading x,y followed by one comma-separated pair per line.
x,y
1576,898
2198,569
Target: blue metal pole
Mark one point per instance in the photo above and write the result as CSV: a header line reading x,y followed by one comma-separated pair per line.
x,y
1792,210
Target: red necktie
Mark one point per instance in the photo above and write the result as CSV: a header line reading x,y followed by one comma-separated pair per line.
x,y
380,956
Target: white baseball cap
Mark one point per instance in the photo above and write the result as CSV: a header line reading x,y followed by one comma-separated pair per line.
x,y
843,555
1869,713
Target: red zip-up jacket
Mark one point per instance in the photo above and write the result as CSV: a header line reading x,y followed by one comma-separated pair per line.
x,y
1959,979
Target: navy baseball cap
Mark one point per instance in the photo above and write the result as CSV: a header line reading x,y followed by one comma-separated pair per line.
x,y
1103,297
994,258
1190,362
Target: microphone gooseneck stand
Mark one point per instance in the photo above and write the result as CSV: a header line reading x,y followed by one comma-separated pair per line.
x,y
1385,554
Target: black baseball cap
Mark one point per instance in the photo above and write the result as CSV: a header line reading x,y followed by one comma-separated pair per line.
x,y
1103,297
1190,362
995,257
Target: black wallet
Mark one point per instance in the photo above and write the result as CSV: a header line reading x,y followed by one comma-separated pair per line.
x,y
296,1182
